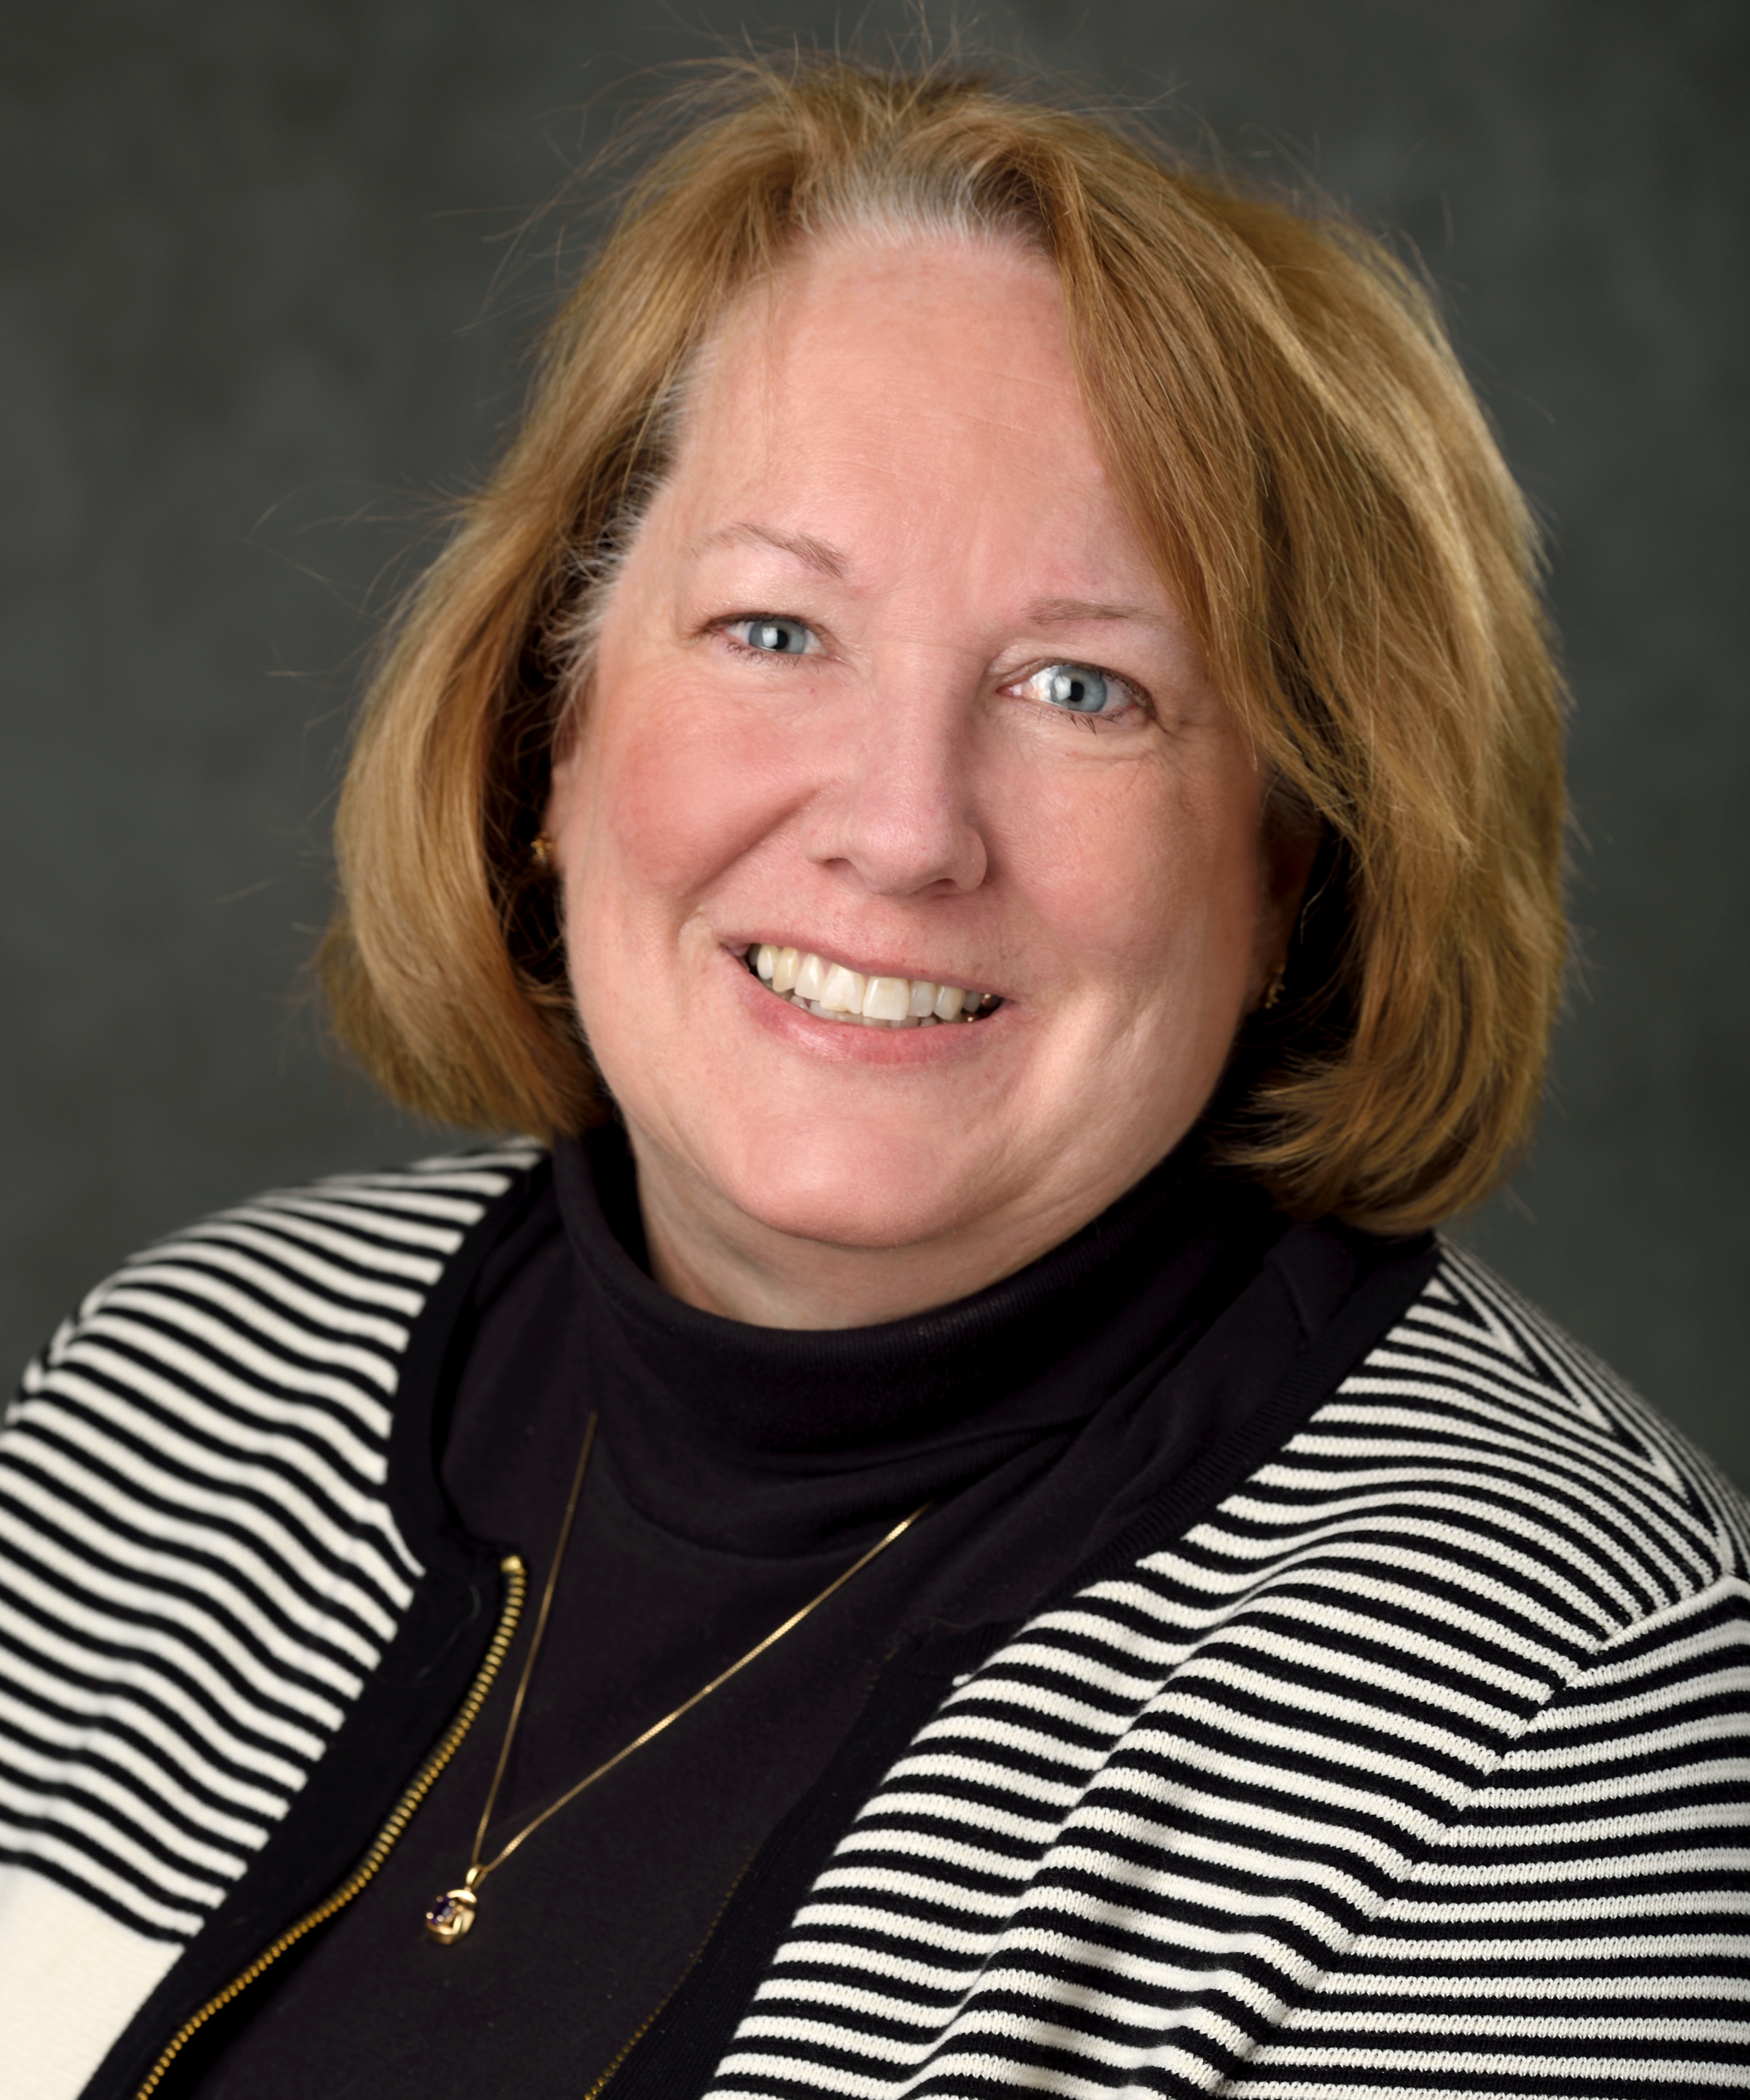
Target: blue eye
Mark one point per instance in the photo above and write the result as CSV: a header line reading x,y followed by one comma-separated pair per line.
x,y
773,635
1079,688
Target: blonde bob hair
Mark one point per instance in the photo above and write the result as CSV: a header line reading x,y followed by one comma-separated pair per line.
x,y
1295,443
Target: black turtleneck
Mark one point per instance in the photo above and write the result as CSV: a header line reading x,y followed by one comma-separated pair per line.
x,y
737,1469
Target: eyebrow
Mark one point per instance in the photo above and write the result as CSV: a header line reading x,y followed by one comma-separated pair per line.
x,y
1068,612
825,559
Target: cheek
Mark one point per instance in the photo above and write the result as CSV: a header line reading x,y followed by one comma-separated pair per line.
x,y
678,793
1153,875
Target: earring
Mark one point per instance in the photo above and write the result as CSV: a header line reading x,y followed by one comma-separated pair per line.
x,y
1273,990
540,854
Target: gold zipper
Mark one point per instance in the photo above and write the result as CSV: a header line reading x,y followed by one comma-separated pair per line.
x,y
516,1588
698,1956
651,2019
628,2047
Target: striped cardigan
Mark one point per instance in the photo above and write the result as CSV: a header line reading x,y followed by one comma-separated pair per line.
x,y
1416,1761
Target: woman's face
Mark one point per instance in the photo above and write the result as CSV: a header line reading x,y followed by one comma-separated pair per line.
x,y
887,679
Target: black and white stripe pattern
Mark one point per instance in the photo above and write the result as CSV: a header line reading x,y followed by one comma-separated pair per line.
x,y
198,1566
1422,1765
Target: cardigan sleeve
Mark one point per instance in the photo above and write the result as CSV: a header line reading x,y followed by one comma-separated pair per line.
x,y
1583,1926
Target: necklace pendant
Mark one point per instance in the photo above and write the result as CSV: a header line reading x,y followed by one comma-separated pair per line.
x,y
450,1915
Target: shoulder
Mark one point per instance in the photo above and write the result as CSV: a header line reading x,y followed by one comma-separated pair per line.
x,y
331,1272
255,1356
382,1236
1477,1507
1478,1443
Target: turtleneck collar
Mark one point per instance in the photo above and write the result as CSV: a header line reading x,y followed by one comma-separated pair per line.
x,y
711,1425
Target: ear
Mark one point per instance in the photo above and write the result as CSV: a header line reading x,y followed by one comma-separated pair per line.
x,y
559,783
1289,836
562,776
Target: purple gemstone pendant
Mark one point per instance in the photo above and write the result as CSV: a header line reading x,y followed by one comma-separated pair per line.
x,y
450,1915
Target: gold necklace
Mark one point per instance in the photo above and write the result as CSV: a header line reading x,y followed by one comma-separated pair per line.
x,y
452,1914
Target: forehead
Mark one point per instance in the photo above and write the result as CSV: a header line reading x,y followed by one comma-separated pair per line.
x,y
871,381
888,303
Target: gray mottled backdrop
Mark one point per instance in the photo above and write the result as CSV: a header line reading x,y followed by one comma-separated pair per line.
x,y
249,327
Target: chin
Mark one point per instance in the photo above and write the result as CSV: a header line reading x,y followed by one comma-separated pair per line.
x,y
838,1201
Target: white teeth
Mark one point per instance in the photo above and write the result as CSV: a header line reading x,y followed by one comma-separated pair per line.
x,y
843,990
835,992
887,999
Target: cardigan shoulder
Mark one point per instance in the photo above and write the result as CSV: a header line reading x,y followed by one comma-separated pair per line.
x,y
1185,1832
199,1568
1578,1924
1500,1399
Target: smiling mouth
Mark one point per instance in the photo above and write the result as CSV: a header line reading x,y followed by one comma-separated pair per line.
x,y
834,993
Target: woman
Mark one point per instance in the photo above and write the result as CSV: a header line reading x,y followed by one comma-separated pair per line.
x,y
950,1529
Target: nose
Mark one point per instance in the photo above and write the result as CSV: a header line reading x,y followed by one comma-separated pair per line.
x,y
898,813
